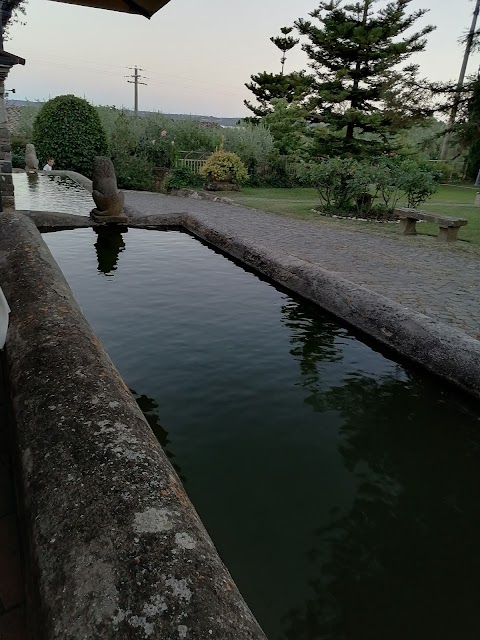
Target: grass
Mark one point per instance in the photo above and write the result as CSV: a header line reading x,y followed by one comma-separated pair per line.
x,y
450,200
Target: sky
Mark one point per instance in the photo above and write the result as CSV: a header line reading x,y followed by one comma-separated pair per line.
x,y
196,55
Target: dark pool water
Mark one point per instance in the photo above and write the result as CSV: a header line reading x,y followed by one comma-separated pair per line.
x,y
40,192
341,489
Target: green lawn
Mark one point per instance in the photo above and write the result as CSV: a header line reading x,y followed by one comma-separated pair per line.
x,y
454,201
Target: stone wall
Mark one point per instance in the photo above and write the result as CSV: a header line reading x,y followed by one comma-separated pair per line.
x,y
13,117
6,180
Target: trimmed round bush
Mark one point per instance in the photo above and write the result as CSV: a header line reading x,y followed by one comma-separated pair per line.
x,y
68,129
224,166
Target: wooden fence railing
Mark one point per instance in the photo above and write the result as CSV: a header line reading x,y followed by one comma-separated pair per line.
x,y
263,169
191,163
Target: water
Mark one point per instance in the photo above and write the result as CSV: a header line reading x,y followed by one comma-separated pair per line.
x,y
341,488
40,192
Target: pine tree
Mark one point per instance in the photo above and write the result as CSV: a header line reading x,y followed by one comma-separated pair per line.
x,y
285,43
267,87
356,52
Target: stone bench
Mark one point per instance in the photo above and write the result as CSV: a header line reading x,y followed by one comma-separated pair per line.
x,y
449,227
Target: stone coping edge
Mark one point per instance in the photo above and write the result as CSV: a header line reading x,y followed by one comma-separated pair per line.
x,y
115,548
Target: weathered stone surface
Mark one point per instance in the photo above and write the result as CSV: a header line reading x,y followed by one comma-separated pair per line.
x,y
51,221
107,197
199,194
221,186
31,160
108,219
115,547
435,218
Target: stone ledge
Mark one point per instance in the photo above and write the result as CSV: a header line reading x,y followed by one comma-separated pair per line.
x,y
116,549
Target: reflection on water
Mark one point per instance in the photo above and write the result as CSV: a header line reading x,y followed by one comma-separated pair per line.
x,y
40,192
108,246
340,487
149,409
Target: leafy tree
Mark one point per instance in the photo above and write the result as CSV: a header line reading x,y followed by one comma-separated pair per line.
x,y
69,129
12,12
267,87
467,129
355,52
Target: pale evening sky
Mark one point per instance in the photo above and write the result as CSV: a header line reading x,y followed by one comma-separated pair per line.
x,y
197,55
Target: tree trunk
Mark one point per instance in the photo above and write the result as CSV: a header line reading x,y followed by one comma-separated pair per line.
x,y
350,134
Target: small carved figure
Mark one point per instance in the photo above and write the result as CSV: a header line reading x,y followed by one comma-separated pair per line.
x,y
107,197
31,160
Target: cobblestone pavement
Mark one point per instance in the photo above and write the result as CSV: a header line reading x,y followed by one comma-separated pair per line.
x,y
424,277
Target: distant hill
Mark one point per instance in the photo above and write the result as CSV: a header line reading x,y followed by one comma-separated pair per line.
x,y
224,122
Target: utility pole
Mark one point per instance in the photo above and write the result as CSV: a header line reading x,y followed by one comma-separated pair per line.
x,y
461,79
136,80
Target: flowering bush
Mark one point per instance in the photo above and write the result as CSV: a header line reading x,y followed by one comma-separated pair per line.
x,y
224,166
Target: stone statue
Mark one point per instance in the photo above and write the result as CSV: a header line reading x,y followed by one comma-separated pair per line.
x,y
31,160
107,197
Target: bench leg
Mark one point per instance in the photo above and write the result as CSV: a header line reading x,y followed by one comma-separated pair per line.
x,y
448,234
408,227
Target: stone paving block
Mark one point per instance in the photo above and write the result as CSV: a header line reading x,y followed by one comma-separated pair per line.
x,y
12,591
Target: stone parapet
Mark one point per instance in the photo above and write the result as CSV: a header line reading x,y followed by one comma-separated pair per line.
x,y
115,548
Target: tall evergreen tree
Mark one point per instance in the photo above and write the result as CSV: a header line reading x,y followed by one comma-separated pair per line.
x,y
267,87
285,43
356,51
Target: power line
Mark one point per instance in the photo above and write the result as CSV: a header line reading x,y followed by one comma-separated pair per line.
x,y
136,80
160,81
96,69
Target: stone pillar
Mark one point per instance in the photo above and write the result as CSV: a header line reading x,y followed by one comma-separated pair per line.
x,y
7,60
6,178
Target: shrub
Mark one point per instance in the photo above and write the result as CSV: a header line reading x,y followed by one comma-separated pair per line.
x,y
133,168
415,181
134,173
18,145
182,178
224,166
252,143
334,181
69,129
347,187
18,160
